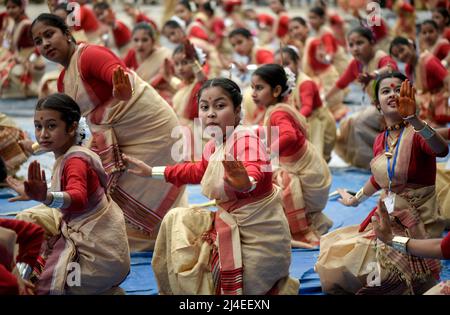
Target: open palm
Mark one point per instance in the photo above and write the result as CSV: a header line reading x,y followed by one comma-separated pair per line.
x,y
235,174
406,103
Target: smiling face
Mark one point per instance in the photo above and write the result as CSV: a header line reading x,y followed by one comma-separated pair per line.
x,y
429,34
143,43
242,45
360,47
51,43
298,31
263,94
404,53
216,109
51,131
388,92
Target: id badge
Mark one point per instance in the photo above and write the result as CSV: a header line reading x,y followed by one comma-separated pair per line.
x,y
389,202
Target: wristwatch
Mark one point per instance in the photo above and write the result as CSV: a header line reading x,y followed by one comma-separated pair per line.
x,y
399,243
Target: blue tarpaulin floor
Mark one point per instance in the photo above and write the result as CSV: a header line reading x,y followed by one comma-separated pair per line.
x,y
142,281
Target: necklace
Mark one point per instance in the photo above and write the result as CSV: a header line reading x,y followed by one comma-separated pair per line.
x,y
397,126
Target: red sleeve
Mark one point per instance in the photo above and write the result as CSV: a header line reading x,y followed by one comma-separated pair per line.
x,y
189,172
99,63
122,34
387,60
198,32
76,180
218,27
443,51
436,73
88,20
8,282
308,91
426,148
283,26
265,19
25,40
290,138
60,82
350,75
29,237
264,56
329,43
445,247
130,59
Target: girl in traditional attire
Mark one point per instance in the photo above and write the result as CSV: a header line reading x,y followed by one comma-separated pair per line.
x,y
324,59
244,247
442,18
431,41
298,34
280,25
430,77
358,131
125,114
11,150
404,167
194,28
188,69
147,59
20,67
83,225
303,176
174,31
306,98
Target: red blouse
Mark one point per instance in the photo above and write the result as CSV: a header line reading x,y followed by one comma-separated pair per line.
x,y
97,67
192,172
198,32
442,51
445,247
130,59
264,56
122,34
309,97
25,39
436,73
80,181
422,165
353,70
290,139
88,20
283,23
380,31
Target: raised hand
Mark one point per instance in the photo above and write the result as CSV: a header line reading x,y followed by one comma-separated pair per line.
x,y
189,50
168,70
121,85
347,199
36,185
406,103
382,224
365,78
18,187
141,169
235,174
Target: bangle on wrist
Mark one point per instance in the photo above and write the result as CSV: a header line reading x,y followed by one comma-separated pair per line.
x,y
376,73
360,196
399,243
158,172
426,132
57,200
409,117
196,67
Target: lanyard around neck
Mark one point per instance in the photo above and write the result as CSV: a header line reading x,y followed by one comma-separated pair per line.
x,y
391,170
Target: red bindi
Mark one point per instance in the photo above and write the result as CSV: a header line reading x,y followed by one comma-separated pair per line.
x,y
392,85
